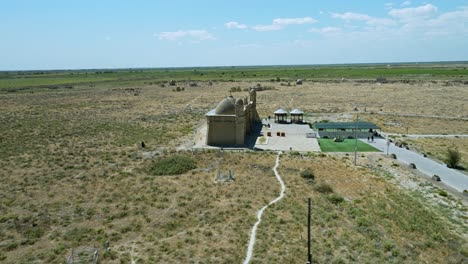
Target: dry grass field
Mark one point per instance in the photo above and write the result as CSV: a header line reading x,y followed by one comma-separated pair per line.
x,y
74,175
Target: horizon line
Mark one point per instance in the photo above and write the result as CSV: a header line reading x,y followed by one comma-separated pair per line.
x,y
241,66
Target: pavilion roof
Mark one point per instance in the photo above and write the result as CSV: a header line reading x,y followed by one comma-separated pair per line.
x,y
297,112
281,111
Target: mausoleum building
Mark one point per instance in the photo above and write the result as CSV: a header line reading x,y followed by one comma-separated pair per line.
x,y
231,120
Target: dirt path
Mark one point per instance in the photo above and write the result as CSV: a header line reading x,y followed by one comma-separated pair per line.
x,y
250,248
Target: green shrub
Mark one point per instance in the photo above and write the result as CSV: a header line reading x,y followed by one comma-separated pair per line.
x,y
33,233
172,165
464,250
335,198
307,174
324,188
235,89
453,157
443,193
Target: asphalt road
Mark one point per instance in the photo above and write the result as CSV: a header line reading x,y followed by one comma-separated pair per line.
x,y
450,177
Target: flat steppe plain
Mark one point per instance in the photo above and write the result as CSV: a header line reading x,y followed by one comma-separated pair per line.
x,y
73,175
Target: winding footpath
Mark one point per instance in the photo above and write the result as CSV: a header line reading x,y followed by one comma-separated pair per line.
x,y
250,248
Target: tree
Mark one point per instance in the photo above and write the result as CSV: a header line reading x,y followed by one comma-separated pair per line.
x,y
453,157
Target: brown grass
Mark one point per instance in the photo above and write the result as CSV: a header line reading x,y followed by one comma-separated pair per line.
x,y
73,175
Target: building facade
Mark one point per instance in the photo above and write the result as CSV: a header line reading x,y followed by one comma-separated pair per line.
x,y
232,120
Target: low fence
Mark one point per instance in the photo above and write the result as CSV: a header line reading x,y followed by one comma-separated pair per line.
x,y
84,255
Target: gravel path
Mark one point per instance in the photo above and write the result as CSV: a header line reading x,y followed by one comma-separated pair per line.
x,y
250,248
450,177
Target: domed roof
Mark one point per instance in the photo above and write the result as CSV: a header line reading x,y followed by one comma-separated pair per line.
x,y
281,111
297,112
226,107
239,102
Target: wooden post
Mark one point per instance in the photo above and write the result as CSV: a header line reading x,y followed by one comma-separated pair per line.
x,y
309,255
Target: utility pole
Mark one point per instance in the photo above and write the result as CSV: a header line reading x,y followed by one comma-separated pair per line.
x,y
355,138
309,255
355,146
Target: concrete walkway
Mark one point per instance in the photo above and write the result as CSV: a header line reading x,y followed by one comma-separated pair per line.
x,y
450,177
426,135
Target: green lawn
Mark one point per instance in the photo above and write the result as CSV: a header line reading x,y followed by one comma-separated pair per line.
x,y
327,145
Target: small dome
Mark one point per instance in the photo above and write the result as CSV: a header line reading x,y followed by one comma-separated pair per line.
x,y
281,111
226,107
297,112
239,102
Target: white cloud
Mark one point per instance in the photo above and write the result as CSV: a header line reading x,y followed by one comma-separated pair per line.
x,y
372,21
262,28
293,21
233,24
448,24
351,16
423,25
192,34
455,16
406,3
380,22
326,30
280,23
414,13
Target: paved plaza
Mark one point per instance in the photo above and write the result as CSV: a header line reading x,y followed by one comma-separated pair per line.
x,y
295,138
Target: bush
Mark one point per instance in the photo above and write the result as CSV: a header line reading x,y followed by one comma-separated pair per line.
x,y
172,165
463,250
324,188
335,198
307,174
453,157
393,155
235,89
443,193
412,166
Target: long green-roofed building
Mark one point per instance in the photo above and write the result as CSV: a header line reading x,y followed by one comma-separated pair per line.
x,y
361,129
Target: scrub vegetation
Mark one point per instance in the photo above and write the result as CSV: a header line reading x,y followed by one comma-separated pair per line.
x,y
75,173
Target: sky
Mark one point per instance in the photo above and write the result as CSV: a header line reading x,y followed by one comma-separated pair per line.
x,y
90,34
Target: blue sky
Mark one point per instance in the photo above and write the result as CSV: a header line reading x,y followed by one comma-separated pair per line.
x,y
122,34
